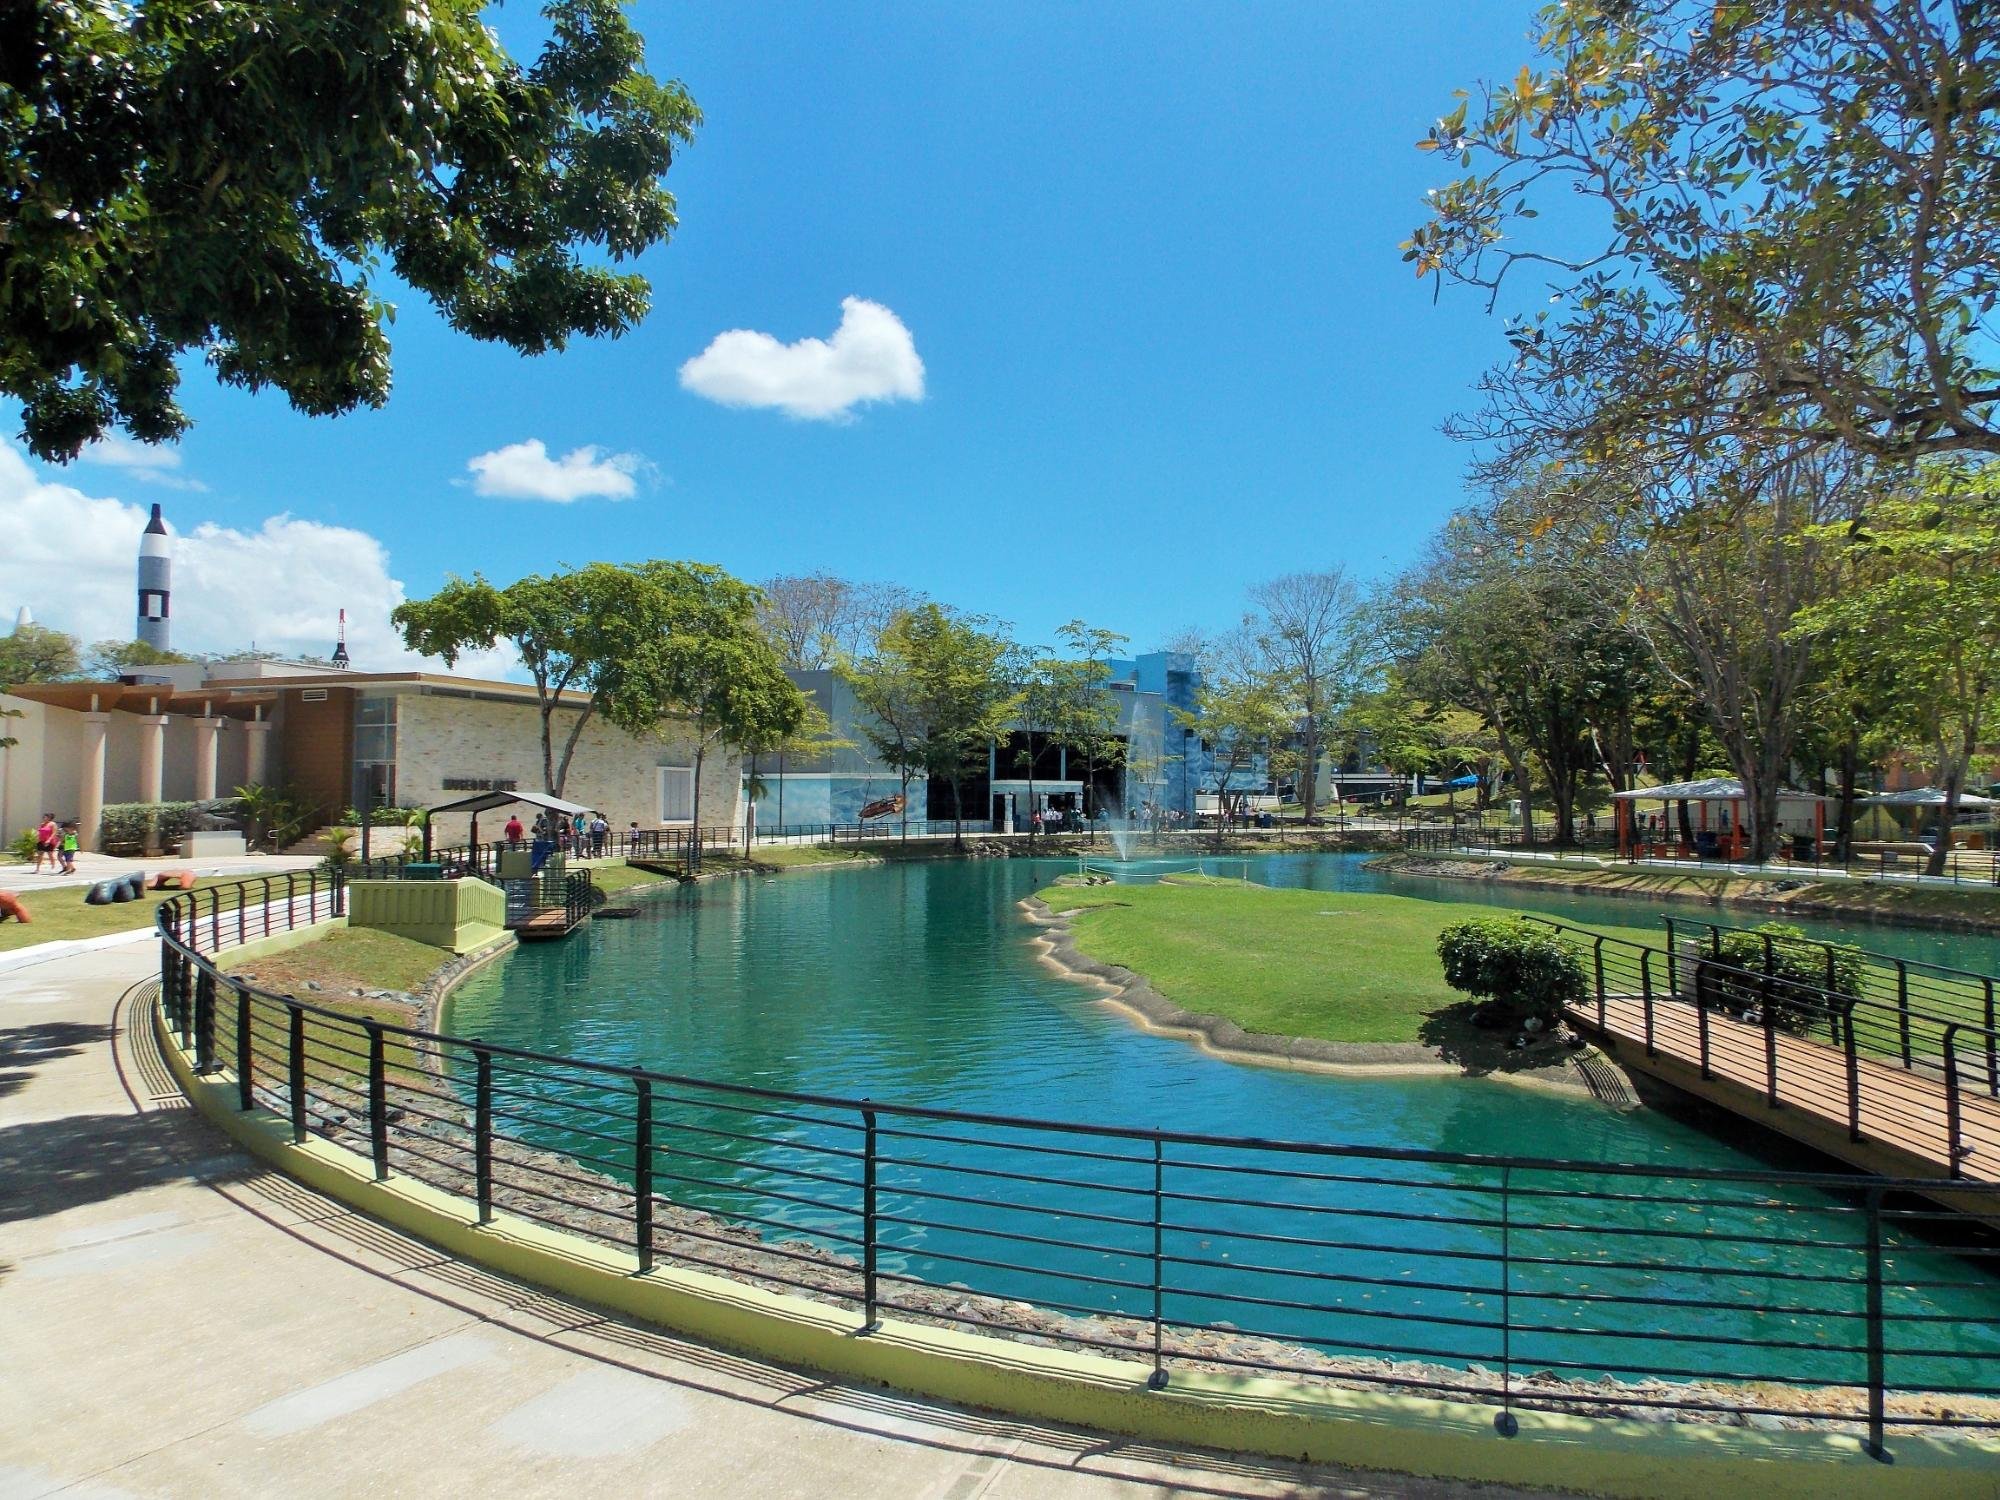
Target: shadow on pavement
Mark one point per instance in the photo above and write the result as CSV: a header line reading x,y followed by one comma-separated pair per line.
x,y
47,1166
23,1049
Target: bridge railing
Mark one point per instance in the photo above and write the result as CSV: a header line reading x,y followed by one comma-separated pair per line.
x,y
1893,1074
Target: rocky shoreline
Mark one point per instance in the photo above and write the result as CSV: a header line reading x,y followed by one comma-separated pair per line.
x,y
1792,898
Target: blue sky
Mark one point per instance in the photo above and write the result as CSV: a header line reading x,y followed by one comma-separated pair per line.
x,y
1148,259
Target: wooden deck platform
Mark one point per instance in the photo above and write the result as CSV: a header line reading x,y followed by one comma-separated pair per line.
x,y
544,926
1885,1118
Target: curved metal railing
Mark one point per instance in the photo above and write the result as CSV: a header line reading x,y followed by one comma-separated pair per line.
x,y
1515,1280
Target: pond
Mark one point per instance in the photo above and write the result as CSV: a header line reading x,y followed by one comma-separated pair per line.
x,y
915,983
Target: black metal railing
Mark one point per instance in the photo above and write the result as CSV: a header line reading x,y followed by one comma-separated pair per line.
x,y
1890,1072
1519,1281
1926,996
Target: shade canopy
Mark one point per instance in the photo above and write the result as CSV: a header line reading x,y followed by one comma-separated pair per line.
x,y
1922,796
481,802
1709,789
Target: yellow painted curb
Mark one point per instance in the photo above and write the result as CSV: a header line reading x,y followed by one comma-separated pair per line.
x,y
1365,1429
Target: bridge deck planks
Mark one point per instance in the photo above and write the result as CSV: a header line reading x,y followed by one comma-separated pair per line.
x,y
1906,1111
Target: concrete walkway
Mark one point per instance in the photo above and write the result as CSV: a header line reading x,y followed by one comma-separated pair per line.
x,y
91,868
176,1319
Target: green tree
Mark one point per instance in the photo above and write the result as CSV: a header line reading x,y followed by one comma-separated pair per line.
x,y
34,653
1794,234
1085,715
113,659
938,689
577,632
237,176
1241,709
711,670
1919,618
1307,622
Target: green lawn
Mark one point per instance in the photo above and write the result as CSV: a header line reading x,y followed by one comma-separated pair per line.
x,y
339,960
1342,968
59,913
614,877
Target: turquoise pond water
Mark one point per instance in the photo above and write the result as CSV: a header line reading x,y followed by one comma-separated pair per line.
x,y
917,984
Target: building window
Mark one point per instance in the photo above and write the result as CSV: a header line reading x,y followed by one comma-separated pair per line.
x,y
375,752
676,794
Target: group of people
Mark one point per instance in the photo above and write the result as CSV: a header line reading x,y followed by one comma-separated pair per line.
x,y
56,845
587,837
1155,818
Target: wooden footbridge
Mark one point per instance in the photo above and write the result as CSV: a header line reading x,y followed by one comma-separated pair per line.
x,y
1906,1088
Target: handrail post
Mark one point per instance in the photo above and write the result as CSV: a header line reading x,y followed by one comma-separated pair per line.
x,y
214,919
1646,995
297,1069
1853,1077
1505,1423
1954,1123
1992,1040
482,1131
267,905
1877,1380
1770,1050
1597,959
1903,1007
378,1099
1701,1031
1673,969
245,1060
204,1020
1158,1379
868,1226
642,1172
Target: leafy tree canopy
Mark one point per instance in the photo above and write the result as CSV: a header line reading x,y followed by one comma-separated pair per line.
x,y
34,653
237,176
1772,216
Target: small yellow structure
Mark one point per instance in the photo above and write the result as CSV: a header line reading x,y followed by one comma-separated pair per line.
x,y
460,915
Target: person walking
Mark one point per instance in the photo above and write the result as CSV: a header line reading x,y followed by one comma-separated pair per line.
x,y
68,848
46,835
600,831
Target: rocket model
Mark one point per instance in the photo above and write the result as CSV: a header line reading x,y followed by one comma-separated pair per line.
x,y
156,569
340,659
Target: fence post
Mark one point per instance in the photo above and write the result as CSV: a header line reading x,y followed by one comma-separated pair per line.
x,y
642,1173
1992,1045
1701,1031
296,1061
1597,958
378,1098
1903,1007
214,919
868,1218
1954,1123
267,906
1770,1050
1646,995
1158,1379
1877,1393
482,1130
204,1020
245,1061
1853,1078
1505,1422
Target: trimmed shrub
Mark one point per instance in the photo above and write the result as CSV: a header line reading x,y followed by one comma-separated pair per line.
x,y
1519,966
1802,973
131,827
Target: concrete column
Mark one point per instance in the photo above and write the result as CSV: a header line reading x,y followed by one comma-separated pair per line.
x,y
256,752
206,728
90,778
152,757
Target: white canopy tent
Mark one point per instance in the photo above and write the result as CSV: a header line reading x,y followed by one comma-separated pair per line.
x,y
1712,789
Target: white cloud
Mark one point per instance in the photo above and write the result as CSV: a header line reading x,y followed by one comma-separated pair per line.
x,y
871,357
524,471
143,461
72,559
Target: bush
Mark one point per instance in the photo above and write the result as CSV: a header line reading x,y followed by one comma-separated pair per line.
x,y
133,827
1802,973
23,848
1520,966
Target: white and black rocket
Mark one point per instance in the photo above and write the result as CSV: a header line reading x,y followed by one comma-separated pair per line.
x,y
156,582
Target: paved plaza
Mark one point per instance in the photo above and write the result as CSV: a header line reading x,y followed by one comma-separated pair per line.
x,y
177,1319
